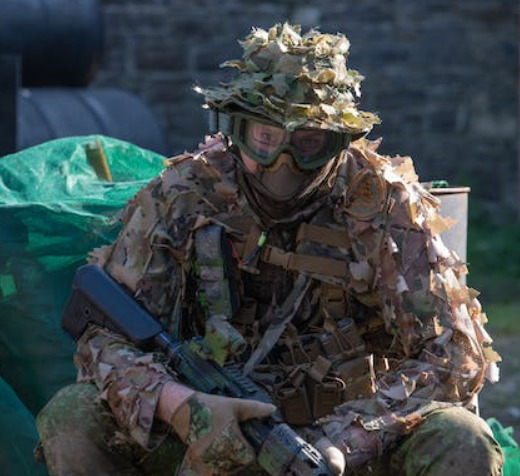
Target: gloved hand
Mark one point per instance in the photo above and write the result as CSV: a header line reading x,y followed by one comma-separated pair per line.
x,y
209,425
333,455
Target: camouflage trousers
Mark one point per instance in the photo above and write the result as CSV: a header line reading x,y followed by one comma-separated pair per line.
x,y
80,437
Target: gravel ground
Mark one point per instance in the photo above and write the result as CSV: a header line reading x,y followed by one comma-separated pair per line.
x,y
502,400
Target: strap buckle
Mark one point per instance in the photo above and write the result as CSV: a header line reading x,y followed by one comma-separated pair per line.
x,y
278,257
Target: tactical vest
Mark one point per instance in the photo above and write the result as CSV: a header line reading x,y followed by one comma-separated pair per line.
x,y
307,372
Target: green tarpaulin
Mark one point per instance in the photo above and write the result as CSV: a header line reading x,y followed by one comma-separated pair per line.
x,y
509,447
53,209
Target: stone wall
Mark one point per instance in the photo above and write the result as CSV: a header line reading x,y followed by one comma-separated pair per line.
x,y
441,74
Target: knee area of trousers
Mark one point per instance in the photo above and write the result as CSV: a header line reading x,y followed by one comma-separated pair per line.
x,y
71,408
457,426
464,437
450,441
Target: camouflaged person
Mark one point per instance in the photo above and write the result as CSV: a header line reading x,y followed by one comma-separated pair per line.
x,y
298,252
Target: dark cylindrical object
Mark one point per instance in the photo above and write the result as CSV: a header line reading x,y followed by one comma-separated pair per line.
x,y
50,113
9,84
60,41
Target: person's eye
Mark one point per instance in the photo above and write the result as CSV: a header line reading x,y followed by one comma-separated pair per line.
x,y
308,141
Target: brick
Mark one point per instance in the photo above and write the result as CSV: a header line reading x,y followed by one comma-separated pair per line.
x,y
154,53
426,65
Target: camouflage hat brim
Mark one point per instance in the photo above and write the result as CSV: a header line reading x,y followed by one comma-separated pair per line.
x,y
295,80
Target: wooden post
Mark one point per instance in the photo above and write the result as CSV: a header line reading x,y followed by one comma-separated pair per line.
x,y
98,161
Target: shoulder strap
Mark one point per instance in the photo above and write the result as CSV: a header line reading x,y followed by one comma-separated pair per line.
x,y
304,263
323,235
218,293
311,263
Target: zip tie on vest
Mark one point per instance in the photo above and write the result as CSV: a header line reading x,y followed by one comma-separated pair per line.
x,y
246,263
259,245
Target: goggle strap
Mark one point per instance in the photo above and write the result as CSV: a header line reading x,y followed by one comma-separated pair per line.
x,y
220,122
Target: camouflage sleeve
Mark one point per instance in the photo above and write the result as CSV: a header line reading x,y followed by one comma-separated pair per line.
x,y
148,260
440,350
130,381
148,256
151,259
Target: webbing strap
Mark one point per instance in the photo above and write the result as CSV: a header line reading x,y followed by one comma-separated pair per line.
x,y
217,294
304,263
281,317
333,300
322,235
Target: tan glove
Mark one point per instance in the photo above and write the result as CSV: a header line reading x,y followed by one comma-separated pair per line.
x,y
209,425
351,447
333,455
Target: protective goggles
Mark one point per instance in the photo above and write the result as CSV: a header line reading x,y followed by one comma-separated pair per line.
x,y
264,141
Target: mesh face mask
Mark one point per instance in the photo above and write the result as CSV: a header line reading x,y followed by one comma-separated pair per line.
x,y
264,141
282,192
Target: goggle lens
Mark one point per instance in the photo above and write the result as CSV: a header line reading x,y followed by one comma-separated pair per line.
x,y
264,142
309,142
264,139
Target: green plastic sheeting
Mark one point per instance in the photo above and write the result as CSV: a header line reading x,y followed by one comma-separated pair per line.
x,y
20,436
509,446
53,210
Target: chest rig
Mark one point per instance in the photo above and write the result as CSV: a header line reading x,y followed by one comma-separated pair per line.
x,y
308,366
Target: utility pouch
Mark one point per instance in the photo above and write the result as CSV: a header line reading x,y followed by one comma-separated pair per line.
x,y
324,391
343,342
221,340
307,351
333,299
295,405
325,395
246,315
359,377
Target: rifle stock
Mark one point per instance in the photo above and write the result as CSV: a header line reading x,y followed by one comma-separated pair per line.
x,y
98,299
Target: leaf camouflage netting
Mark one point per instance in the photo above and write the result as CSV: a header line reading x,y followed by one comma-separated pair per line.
x,y
58,200
324,96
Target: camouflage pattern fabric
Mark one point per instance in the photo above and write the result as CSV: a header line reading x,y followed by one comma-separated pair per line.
x,y
82,437
90,442
200,420
452,441
324,96
397,272
132,382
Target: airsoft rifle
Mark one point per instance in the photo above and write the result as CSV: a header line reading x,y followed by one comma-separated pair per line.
x,y
98,299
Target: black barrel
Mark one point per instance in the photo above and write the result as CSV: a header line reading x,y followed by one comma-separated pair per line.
x,y
50,113
60,41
